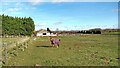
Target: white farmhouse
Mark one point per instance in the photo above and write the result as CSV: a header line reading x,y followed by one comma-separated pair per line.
x,y
43,32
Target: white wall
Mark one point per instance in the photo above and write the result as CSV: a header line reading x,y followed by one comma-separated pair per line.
x,y
53,34
39,34
47,34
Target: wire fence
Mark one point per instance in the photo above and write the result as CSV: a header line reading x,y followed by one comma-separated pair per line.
x,y
11,48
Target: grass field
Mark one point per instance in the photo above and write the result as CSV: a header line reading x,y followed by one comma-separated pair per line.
x,y
92,50
112,33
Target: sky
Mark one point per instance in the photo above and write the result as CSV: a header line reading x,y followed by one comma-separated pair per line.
x,y
65,14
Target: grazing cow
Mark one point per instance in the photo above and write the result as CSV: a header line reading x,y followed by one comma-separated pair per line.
x,y
55,41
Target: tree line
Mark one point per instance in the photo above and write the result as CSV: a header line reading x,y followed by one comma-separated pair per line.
x,y
17,25
91,31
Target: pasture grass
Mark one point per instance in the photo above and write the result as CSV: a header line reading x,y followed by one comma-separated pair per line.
x,y
91,50
11,40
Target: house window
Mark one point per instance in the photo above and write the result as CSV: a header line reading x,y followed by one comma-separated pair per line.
x,y
44,33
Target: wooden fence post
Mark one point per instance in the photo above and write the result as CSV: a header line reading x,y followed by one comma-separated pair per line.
x,y
23,46
30,40
16,48
5,48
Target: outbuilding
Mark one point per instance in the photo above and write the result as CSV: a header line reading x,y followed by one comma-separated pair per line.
x,y
43,32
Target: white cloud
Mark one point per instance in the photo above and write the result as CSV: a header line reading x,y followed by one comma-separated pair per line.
x,y
87,27
18,4
14,9
35,2
33,8
38,2
63,0
57,23
40,24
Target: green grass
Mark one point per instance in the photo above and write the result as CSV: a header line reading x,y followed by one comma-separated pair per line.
x,y
112,33
73,51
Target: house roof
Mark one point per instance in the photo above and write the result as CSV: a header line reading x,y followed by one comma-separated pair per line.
x,y
42,31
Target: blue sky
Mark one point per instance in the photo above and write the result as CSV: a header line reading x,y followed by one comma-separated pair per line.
x,y
66,15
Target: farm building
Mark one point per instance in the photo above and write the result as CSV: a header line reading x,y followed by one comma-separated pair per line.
x,y
43,32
